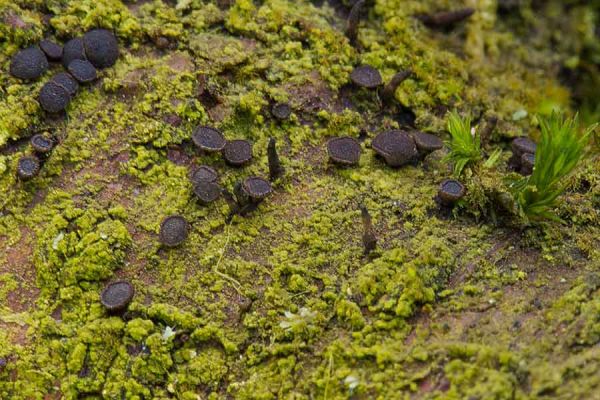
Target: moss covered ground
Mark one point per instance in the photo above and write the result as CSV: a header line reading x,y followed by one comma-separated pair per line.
x,y
283,303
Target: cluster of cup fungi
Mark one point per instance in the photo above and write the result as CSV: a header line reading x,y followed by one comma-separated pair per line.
x,y
80,57
98,49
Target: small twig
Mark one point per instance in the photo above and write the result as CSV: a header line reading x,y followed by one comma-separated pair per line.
x,y
235,283
445,19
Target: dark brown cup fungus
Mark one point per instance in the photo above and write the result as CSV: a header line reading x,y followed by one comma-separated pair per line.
x,y
445,19
354,21
389,90
73,50
28,167
83,71
396,147
344,150
237,152
116,296
527,163
256,188
248,195
426,142
275,168
369,239
101,48
204,173
281,111
207,192
451,191
366,76
173,230
29,63
522,145
41,144
208,139
53,98
52,50
67,82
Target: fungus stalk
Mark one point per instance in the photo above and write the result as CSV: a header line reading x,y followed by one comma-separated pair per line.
x,y
353,21
369,239
387,94
275,168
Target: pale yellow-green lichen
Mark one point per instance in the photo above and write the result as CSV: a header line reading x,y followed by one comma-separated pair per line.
x,y
283,303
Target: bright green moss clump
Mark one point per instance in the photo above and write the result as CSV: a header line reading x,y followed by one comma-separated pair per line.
x,y
283,302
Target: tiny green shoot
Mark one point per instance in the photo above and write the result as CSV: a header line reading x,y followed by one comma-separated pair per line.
x,y
465,145
560,149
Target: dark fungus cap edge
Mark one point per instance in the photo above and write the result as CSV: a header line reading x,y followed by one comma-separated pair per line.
x,y
344,150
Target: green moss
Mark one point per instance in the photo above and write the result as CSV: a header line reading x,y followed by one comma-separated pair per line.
x,y
283,303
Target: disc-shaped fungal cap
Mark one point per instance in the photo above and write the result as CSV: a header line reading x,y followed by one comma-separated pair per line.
x,y
396,147
426,142
208,138
256,188
73,50
116,296
28,167
206,191
527,162
29,63
52,50
451,191
67,81
101,47
173,230
237,152
366,76
523,145
281,111
344,150
53,98
41,144
82,70
204,173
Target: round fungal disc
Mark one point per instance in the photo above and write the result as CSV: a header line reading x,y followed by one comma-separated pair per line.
x,y
366,76
523,145
281,111
527,163
426,142
53,98
101,47
451,191
173,230
82,70
41,144
237,152
28,167
208,139
29,63
204,173
52,50
73,50
67,81
116,296
256,188
207,192
344,150
396,147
